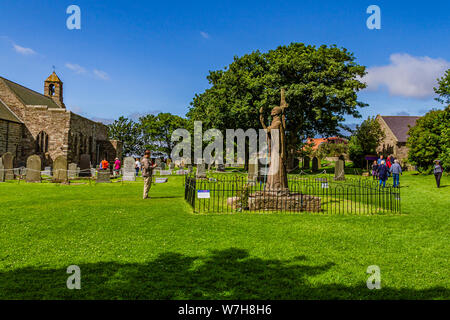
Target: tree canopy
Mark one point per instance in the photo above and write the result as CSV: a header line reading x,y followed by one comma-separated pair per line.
x,y
129,133
321,88
443,89
365,140
429,140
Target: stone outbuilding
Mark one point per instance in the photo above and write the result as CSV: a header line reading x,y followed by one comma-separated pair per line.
x,y
35,123
396,130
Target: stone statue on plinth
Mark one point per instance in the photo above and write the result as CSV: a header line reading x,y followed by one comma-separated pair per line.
x,y
277,181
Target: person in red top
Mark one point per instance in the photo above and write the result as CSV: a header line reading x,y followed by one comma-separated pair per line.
x,y
105,164
388,162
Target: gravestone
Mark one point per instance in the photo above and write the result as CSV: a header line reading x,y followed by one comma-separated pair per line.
x,y
73,171
8,166
47,171
339,173
306,162
129,172
315,164
172,166
158,163
2,171
201,170
33,169
161,180
103,176
221,167
85,165
253,171
165,172
60,170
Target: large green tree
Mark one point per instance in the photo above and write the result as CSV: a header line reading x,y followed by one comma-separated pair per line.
x,y
364,140
429,139
129,133
157,131
443,89
321,88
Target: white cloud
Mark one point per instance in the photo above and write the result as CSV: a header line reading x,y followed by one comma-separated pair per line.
x,y
101,74
204,34
76,68
407,76
23,50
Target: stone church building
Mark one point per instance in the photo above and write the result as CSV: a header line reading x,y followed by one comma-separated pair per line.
x,y
35,123
396,130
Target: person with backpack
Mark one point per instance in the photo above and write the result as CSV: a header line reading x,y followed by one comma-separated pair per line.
x,y
438,170
383,173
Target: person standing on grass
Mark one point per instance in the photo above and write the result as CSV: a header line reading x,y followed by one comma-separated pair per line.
x,y
396,170
105,164
375,170
437,169
147,171
116,167
379,160
383,172
137,166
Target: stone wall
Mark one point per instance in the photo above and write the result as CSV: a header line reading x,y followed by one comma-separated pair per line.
x,y
10,138
84,137
390,145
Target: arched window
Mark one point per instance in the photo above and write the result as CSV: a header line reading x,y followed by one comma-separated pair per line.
x,y
42,142
51,89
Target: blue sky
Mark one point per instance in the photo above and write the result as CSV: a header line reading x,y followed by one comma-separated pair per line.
x,y
135,57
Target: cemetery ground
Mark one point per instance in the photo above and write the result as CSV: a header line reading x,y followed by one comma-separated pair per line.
x,y
129,248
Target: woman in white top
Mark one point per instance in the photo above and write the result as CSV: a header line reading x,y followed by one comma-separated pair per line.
x,y
137,166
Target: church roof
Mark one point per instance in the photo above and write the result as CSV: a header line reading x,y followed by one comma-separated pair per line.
x,y
53,78
7,114
30,97
399,125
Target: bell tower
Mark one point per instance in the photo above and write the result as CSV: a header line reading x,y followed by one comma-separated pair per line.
x,y
53,88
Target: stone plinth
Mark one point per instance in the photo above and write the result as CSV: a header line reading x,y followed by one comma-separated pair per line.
x,y
267,201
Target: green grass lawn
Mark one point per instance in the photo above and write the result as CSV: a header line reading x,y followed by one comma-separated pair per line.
x,y
129,248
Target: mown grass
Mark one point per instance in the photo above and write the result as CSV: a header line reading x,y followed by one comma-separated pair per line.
x,y
129,248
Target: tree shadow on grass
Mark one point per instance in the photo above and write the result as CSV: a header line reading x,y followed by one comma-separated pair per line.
x,y
222,274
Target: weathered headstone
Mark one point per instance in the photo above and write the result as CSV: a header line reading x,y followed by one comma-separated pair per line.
x,y
60,170
221,167
315,164
33,169
201,171
339,173
158,163
161,180
73,172
2,171
85,165
8,159
165,172
253,171
172,166
129,172
103,176
47,171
